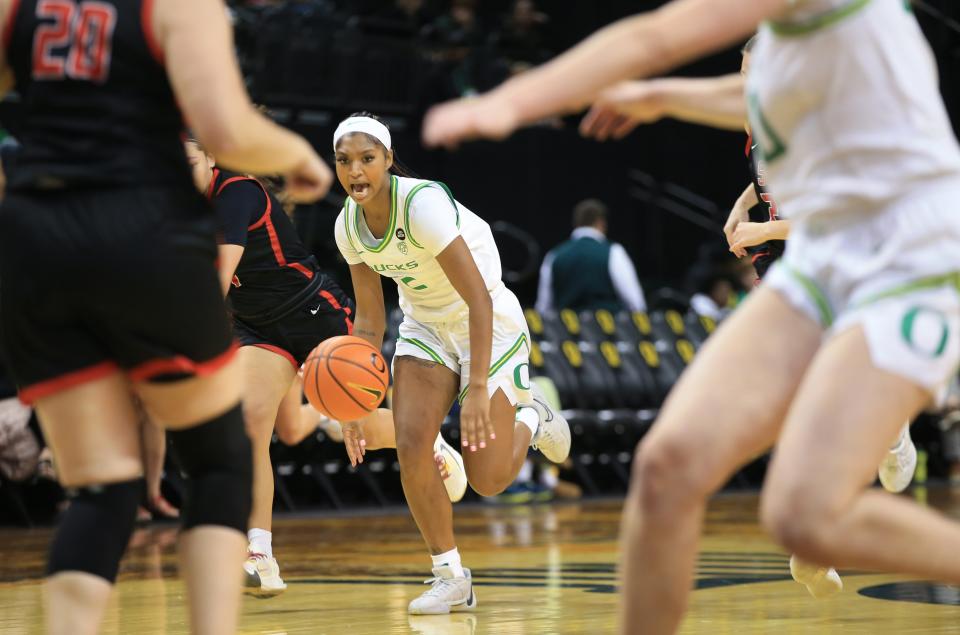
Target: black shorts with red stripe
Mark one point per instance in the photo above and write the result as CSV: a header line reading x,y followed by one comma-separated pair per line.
x,y
326,313
765,254
97,281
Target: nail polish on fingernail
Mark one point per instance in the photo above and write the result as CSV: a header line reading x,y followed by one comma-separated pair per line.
x,y
473,448
483,445
493,435
466,444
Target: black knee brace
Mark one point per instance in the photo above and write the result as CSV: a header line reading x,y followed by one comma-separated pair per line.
x,y
218,461
95,529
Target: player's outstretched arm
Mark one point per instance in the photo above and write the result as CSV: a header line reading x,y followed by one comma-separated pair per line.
x,y
197,48
750,234
740,213
634,47
711,101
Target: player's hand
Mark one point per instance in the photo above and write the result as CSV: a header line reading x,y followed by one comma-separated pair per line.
x,y
747,234
487,117
475,426
737,215
354,442
160,505
309,180
621,108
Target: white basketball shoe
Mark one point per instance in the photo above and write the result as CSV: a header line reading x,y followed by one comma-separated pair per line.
x,y
450,464
553,432
820,582
446,594
897,468
263,576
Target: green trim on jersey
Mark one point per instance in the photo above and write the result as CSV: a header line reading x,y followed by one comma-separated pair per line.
x,y
500,363
951,279
391,225
423,347
346,223
777,146
817,22
814,293
406,208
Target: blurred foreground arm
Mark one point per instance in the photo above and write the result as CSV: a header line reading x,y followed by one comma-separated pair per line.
x,y
638,46
715,101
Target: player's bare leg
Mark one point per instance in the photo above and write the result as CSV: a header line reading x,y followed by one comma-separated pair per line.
x,y
714,420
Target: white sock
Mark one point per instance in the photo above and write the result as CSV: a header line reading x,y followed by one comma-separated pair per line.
x,y
260,541
526,472
451,559
550,476
528,416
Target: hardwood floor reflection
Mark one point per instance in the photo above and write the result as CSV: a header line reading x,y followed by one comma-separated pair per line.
x,y
541,569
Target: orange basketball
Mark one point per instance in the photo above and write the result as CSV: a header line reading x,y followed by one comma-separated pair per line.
x,y
345,378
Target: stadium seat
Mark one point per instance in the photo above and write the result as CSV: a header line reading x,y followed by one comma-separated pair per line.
x,y
583,428
599,385
561,326
548,359
597,326
535,324
648,382
633,327
667,325
698,327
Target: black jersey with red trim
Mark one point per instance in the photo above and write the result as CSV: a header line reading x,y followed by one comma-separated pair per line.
x,y
98,109
764,254
276,272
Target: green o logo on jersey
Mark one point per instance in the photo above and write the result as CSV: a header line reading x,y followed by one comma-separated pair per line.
x,y
925,330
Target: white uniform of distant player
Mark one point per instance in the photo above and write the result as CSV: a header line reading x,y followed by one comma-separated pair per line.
x,y
424,220
881,249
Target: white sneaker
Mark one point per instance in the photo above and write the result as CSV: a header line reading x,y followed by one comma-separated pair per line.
x,y
897,468
450,464
263,576
446,594
553,433
820,582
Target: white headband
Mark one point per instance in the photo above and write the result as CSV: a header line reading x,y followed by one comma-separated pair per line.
x,y
366,125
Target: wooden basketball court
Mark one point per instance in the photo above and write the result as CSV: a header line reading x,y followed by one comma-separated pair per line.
x,y
540,569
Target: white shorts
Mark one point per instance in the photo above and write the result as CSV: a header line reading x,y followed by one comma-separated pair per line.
x,y
895,272
449,344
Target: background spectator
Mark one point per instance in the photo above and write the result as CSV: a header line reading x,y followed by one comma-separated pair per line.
x,y
588,272
522,41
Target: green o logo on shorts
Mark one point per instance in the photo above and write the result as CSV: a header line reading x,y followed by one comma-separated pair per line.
x,y
925,330
521,376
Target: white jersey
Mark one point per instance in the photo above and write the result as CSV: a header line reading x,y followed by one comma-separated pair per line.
x,y
844,103
424,220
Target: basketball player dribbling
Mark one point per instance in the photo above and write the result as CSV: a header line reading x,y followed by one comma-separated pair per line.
x,y
844,104
121,294
463,336
282,305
